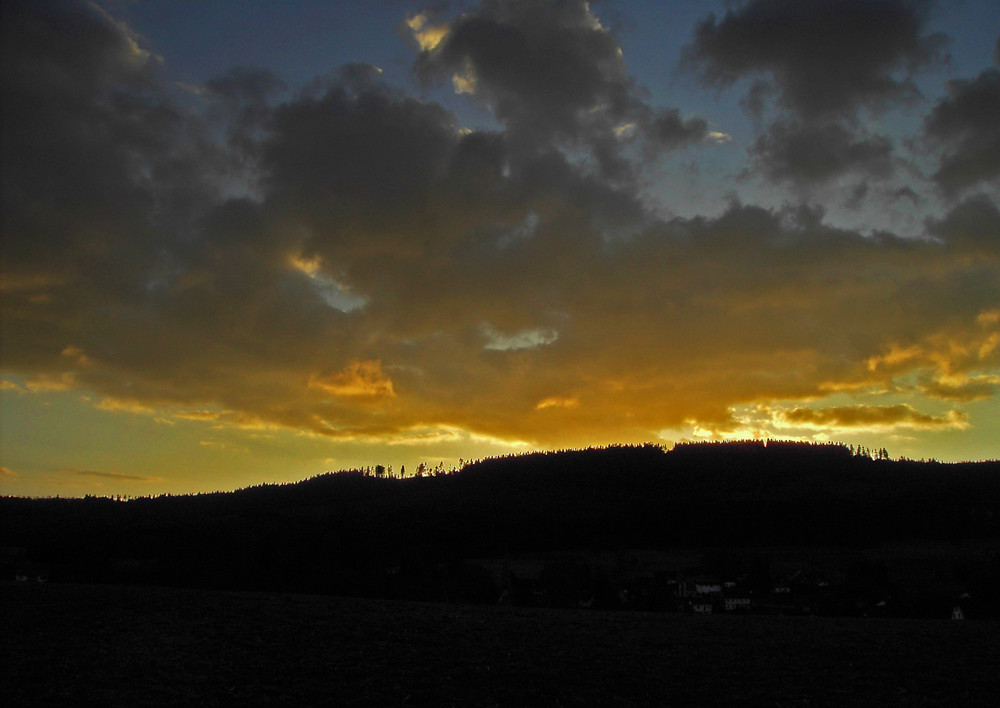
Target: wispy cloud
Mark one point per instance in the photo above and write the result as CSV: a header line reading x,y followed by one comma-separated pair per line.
x,y
118,405
558,402
45,383
113,475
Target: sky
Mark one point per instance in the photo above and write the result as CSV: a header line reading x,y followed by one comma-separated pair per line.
x,y
247,242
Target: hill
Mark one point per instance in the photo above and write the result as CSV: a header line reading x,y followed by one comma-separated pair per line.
x,y
357,534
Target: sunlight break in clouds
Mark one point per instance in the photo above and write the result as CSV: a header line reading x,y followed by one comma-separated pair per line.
x,y
428,36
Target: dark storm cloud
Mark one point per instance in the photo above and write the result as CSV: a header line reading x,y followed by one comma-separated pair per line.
x,y
966,126
822,58
550,72
800,152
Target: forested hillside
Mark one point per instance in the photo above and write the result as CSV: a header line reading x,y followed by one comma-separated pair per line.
x,y
353,533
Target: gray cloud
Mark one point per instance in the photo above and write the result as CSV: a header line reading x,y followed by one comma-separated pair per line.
x,y
966,126
552,73
823,59
972,226
246,85
98,164
73,49
821,62
798,152
535,62
243,97
668,129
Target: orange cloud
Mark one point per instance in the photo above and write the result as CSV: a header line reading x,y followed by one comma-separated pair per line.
x,y
44,383
961,386
359,378
222,418
867,417
77,355
894,356
119,405
558,402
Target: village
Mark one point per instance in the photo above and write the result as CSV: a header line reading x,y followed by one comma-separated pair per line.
x,y
862,589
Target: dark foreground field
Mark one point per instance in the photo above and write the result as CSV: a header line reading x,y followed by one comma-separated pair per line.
x,y
121,646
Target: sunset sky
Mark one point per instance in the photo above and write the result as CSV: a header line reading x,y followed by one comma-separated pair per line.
x,y
249,241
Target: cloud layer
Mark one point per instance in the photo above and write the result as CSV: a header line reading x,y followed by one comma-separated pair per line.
x,y
348,260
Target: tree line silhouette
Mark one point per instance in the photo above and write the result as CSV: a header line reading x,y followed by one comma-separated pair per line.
x,y
362,532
